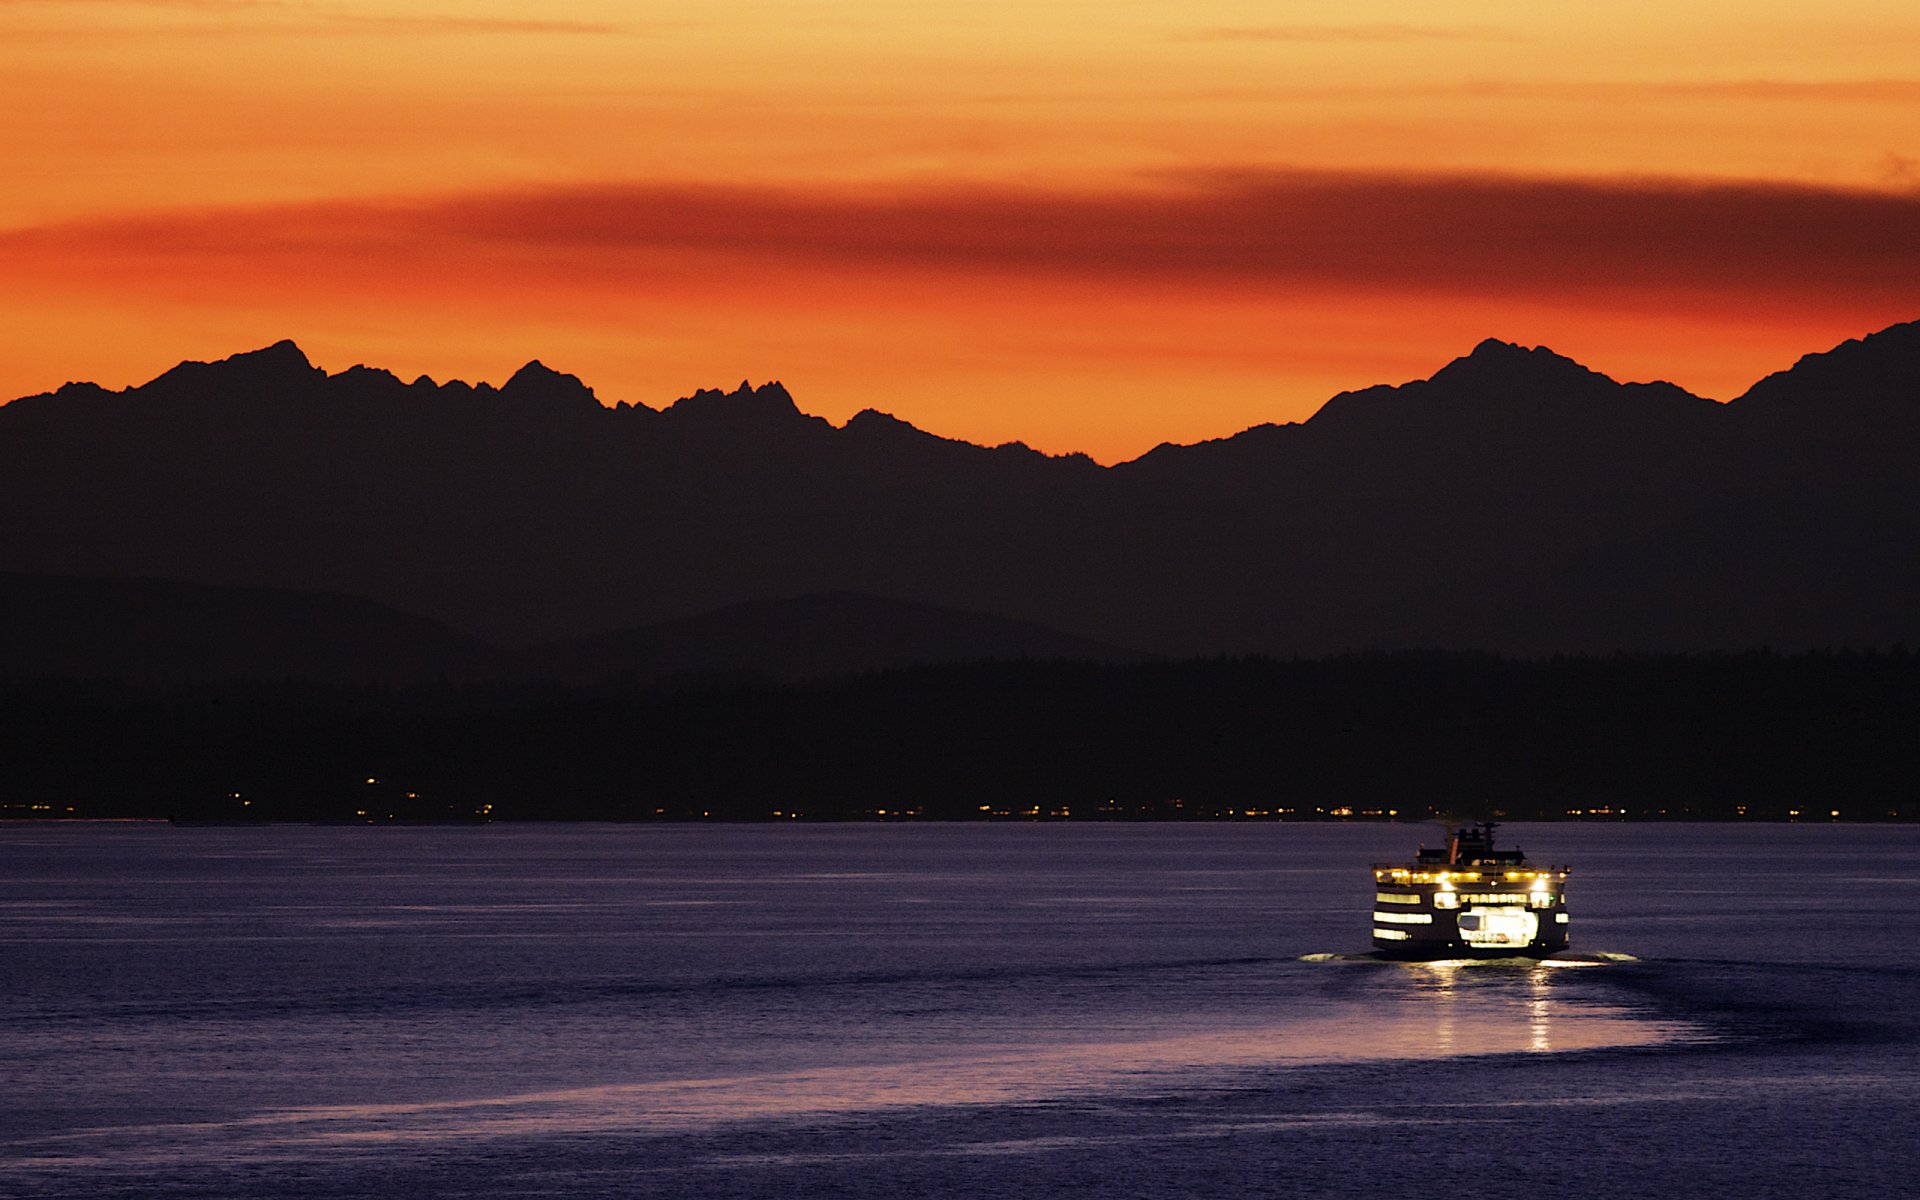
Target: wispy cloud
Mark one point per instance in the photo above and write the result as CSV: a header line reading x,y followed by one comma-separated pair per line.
x,y
281,16
177,5
1380,32
459,24
1483,236
1845,91
1899,91
1900,171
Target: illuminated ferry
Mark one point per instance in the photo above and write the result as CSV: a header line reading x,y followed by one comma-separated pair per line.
x,y
1469,900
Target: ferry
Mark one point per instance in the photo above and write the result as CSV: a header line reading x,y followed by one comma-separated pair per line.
x,y
1469,900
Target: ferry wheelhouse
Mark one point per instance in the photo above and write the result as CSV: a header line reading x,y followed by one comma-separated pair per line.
x,y
1469,900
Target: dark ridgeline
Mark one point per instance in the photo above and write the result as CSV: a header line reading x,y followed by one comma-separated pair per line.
x,y
158,634
492,553
524,513
804,638
1515,502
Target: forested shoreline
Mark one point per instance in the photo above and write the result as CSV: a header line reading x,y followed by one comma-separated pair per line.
x,y
1757,736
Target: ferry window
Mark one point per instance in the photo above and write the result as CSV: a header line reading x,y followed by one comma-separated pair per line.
x,y
1446,900
1404,918
1395,898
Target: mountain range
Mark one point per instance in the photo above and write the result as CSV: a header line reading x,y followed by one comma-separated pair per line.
x,y
1514,502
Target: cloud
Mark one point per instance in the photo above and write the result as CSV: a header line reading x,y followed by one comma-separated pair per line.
x,y
1382,32
1900,171
1230,230
1870,91
1831,91
296,16
178,5
455,24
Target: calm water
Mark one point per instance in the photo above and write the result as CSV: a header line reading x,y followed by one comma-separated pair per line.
x,y
939,1011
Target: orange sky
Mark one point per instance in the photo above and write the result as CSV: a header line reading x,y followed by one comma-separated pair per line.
x,y
1088,226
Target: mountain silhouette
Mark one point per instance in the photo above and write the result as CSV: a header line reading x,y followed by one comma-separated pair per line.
x,y
158,633
807,638
1515,501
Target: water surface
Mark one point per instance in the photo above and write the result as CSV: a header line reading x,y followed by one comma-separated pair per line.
x,y
965,1010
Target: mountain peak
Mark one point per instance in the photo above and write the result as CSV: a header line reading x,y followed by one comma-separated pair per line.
x,y
772,393
538,383
1880,371
1507,365
1502,385
872,422
275,367
284,354
746,403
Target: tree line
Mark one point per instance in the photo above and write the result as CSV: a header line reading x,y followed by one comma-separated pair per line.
x,y
1757,736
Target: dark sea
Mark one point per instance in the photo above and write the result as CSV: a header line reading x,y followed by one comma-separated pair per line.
x,y
930,1011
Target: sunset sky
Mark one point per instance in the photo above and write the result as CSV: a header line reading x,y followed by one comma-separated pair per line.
x,y
1087,226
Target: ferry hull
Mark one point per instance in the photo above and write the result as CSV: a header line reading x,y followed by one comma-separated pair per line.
x,y
1410,924
1437,950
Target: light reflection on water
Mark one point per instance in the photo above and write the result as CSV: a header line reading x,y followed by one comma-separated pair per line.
x,y
1412,1011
